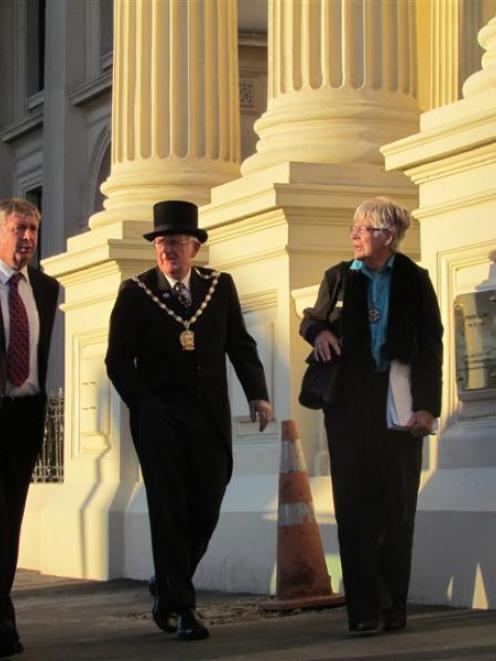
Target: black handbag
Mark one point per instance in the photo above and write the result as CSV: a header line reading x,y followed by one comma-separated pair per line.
x,y
319,385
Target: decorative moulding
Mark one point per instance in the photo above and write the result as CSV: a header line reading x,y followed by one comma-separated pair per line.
x,y
304,297
450,263
88,301
250,258
454,204
23,126
92,89
259,300
461,162
445,132
91,403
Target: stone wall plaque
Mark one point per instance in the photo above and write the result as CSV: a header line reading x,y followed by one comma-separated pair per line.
x,y
475,343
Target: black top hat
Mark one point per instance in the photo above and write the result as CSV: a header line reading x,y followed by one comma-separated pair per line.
x,y
176,217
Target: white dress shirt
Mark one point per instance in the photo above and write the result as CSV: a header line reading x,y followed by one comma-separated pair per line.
x,y
31,386
186,282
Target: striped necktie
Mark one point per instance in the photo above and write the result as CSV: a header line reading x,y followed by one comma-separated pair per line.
x,y
18,350
182,294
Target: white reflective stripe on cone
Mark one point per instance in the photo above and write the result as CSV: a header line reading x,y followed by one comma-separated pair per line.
x,y
292,459
294,514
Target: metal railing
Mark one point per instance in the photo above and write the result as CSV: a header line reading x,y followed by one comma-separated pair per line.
x,y
49,467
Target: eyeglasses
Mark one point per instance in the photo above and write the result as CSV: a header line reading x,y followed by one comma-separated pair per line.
x,y
166,242
362,229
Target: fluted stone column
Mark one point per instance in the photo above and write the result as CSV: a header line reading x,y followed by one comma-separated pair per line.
x,y
445,17
175,112
342,81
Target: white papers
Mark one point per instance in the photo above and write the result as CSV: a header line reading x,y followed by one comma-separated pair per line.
x,y
399,398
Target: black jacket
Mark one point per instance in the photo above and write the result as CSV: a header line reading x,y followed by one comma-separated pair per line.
x,y
145,356
414,331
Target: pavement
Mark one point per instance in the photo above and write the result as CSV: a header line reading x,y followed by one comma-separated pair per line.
x,y
63,619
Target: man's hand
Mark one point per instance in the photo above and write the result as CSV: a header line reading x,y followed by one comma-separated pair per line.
x,y
264,410
321,347
420,423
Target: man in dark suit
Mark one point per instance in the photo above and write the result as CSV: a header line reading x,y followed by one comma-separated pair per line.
x,y
170,331
28,304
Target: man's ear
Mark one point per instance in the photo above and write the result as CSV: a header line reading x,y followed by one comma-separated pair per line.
x,y
196,245
389,238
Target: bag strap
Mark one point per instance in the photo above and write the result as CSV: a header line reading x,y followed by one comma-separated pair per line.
x,y
339,287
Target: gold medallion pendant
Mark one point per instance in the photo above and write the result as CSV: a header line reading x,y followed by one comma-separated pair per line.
x,y
187,339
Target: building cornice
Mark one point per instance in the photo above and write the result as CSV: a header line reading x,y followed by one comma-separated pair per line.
x,y
23,126
91,89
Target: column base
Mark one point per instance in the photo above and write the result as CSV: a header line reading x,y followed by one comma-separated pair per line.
x,y
75,530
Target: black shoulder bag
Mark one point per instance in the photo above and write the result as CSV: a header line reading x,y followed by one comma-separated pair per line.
x,y
319,386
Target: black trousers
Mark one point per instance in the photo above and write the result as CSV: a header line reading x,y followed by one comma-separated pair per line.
x,y
186,466
21,436
375,477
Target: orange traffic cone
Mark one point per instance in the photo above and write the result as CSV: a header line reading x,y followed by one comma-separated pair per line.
x,y
302,577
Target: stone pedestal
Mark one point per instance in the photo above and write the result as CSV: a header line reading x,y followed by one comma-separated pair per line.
x,y
453,161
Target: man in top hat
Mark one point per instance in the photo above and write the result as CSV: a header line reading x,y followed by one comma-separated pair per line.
x,y
170,330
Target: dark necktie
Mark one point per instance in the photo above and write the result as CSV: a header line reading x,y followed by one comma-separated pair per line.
x,y
181,293
18,351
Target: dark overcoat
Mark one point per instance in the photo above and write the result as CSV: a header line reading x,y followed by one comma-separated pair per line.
x,y
145,356
414,331
376,471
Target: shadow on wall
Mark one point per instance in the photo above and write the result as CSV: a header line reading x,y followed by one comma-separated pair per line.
x,y
454,560
242,555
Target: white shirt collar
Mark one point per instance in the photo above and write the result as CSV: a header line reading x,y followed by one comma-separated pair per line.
x,y
6,272
185,280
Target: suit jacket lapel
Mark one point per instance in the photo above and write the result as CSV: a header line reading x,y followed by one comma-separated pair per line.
x,y
39,299
36,286
159,285
3,348
199,288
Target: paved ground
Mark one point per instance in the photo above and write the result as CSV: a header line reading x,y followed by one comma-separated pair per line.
x,y
71,620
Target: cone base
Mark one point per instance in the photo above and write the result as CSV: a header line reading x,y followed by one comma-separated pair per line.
x,y
315,601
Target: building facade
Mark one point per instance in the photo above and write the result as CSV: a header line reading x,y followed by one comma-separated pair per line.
x,y
278,117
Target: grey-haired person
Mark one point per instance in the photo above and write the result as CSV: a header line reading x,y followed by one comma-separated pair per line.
x,y
170,332
389,313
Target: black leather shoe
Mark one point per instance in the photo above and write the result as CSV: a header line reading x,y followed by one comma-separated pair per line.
x,y
189,627
365,626
9,639
393,621
164,618
9,649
